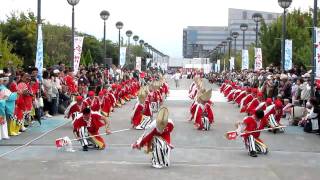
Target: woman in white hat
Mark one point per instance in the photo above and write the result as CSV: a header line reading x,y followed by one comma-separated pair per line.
x,y
157,139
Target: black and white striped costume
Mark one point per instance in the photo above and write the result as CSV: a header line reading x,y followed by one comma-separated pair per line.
x,y
159,143
160,153
253,144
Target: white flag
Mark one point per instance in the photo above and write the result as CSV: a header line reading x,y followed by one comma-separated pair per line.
x,y
245,59
258,59
138,63
122,56
78,41
39,55
288,55
231,63
317,55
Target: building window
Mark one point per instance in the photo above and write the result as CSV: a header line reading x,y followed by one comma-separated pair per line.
x,y
244,15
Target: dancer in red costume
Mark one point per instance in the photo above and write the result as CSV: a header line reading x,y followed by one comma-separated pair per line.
x,y
88,124
252,141
75,108
204,114
157,139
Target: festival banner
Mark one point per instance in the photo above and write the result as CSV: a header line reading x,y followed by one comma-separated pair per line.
x,y
39,55
245,59
123,56
288,55
138,63
258,59
231,63
78,42
317,55
218,65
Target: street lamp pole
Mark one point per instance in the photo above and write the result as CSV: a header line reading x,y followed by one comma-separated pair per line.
x,y
135,38
220,49
229,39
104,16
141,42
257,17
244,28
119,26
129,34
284,4
224,43
39,12
72,3
235,35
313,59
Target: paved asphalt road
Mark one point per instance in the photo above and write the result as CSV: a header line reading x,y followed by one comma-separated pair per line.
x,y
197,154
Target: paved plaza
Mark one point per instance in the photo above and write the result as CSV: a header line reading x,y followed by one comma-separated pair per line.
x,y
197,154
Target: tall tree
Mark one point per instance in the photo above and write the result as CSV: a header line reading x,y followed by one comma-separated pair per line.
x,y
20,30
297,30
6,55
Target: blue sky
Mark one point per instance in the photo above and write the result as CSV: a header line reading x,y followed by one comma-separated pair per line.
x,y
158,22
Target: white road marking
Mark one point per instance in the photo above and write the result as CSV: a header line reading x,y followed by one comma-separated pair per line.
x,y
181,164
33,140
183,95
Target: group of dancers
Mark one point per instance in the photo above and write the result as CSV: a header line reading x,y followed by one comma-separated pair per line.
x,y
201,108
262,113
91,113
156,137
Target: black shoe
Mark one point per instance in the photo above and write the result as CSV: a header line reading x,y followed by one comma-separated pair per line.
x,y
253,154
85,148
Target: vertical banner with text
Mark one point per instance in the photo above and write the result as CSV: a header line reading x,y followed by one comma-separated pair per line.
x,y
138,63
218,65
122,56
258,59
288,55
78,41
231,63
39,55
245,59
317,55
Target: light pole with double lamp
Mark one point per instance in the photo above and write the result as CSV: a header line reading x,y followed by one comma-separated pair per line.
x,y
244,28
284,4
72,3
257,17
104,16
